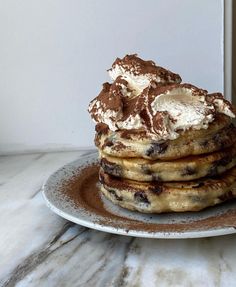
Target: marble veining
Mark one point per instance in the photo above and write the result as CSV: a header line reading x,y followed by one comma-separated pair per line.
x,y
38,248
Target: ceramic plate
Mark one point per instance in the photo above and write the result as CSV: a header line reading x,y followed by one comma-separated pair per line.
x,y
105,216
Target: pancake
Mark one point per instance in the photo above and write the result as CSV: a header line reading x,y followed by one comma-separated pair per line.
x,y
220,134
184,169
156,197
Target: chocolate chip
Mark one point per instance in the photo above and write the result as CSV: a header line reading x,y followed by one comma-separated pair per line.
x,y
145,169
217,139
204,143
229,195
111,168
188,171
141,197
108,143
157,148
212,172
223,161
156,177
117,197
157,189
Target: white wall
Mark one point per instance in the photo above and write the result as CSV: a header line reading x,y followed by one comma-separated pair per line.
x,y
54,55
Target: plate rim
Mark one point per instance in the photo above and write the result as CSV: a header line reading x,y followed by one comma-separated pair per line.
x,y
122,231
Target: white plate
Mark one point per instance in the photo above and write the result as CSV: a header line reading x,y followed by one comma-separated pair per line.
x,y
218,220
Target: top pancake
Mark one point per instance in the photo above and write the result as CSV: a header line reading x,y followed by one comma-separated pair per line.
x,y
220,134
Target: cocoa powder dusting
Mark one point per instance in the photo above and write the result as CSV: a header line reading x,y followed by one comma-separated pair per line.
x,y
137,66
83,190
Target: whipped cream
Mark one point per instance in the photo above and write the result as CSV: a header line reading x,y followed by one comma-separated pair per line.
x,y
140,74
184,110
107,107
144,98
132,122
137,83
223,107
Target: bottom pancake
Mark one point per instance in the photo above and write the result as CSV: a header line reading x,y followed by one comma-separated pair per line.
x,y
156,197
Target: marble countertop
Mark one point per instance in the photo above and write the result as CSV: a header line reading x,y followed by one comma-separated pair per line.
x,y
38,248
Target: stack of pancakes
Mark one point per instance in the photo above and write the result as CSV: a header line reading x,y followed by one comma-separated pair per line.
x,y
163,146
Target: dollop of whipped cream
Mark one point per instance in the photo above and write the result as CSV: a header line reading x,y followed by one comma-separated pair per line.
x,y
150,99
139,73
